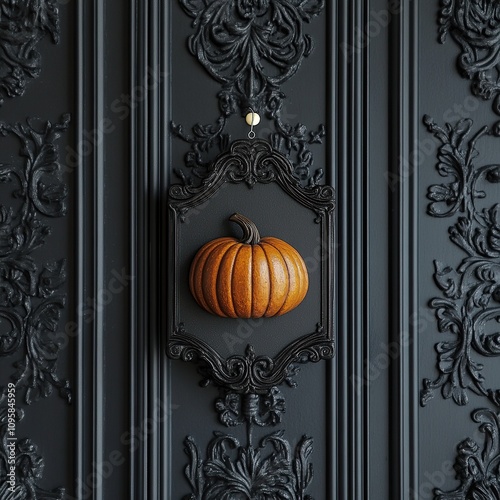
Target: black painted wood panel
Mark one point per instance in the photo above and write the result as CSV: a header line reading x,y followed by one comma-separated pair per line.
x,y
407,407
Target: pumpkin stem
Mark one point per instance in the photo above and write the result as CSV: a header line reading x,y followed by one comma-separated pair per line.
x,y
251,234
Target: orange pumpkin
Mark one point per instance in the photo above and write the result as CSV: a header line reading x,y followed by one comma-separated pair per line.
x,y
248,278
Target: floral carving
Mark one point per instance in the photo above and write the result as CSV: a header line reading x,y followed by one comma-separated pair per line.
x,y
23,23
265,472
249,373
471,292
475,26
477,466
28,464
30,297
251,47
253,162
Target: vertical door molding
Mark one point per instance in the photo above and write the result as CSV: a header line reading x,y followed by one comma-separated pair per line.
x,y
403,255
150,153
105,284
350,114
90,217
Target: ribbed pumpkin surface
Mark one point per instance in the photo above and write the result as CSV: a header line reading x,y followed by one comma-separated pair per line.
x,y
241,280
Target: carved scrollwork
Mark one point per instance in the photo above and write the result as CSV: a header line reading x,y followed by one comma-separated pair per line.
x,y
22,25
475,26
30,297
269,470
253,162
251,47
259,409
28,464
477,466
470,306
249,373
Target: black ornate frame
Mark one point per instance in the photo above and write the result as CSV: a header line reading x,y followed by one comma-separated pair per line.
x,y
252,162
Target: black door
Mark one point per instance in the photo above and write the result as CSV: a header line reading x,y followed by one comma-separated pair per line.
x,y
349,353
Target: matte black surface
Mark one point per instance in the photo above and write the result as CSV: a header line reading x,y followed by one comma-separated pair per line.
x,y
376,69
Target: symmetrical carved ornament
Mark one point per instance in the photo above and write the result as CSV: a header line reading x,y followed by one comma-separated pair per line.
x,y
475,26
251,48
269,468
23,24
251,162
30,296
263,471
469,307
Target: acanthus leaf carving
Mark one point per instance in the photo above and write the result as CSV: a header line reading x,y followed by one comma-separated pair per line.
x,y
475,26
471,290
22,25
477,466
251,48
30,297
29,464
269,470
